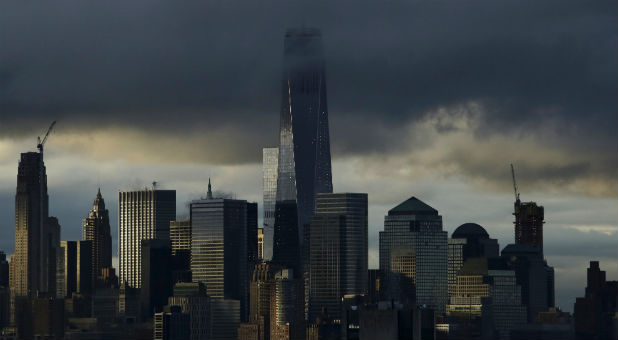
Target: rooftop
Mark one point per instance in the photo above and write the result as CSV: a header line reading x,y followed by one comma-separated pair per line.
x,y
413,206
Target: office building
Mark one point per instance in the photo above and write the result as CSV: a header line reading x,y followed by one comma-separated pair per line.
x,y
534,275
156,275
595,313
260,288
171,324
180,236
338,252
304,166
529,220
286,311
74,269
29,261
225,318
413,244
469,240
142,215
53,251
192,299
260,244
270,161
4,270
96,228
47,318
219,247
486,301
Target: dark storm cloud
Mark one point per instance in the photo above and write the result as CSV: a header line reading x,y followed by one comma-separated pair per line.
x,y
543,69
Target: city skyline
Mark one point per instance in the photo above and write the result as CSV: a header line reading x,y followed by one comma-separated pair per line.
x,y
576,189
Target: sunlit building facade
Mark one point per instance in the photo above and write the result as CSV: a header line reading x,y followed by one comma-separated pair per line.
x,y
142,215
270,160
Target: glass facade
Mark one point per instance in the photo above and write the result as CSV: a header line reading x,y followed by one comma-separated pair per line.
x,y
219,247
270,159
455,261
413,225
142,215
304,166
180,235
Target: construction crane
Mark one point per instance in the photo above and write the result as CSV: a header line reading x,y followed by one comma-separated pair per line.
x,y
514,183
40,142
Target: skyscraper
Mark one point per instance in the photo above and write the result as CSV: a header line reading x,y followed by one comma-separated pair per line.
x,y
219,249
74,268
260,243
180,235
270,159
338,252
142,215
529,220
469,240
304,167
413,234
29,261
96,228
192,299
156,275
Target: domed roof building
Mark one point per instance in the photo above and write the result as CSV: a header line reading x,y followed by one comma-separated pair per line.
x,y
470,230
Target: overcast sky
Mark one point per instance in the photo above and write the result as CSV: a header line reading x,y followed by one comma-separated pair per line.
x,y
426,99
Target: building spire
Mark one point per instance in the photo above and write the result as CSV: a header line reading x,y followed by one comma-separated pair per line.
x,y
209,194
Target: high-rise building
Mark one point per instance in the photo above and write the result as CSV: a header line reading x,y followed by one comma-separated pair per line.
x,y
4,270
219,247
469,240
180,235
74,273
486,301
270,159
260,243
192,299
156,275
338,252
595,312
96,228
225,318
304,166
172,324
259,293
29,261
354,208
534,275
286,318
142,215
413,233
529,220
53,251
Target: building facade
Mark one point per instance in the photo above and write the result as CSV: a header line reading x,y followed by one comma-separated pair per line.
x,y
29,261
270,161
304,166
338,252
142,215
180,236
219,247
192,299
415,229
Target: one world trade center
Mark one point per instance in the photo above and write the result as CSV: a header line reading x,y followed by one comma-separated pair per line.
x,y
304,167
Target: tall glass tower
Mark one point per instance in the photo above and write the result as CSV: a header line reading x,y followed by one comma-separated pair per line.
x,y
304,167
